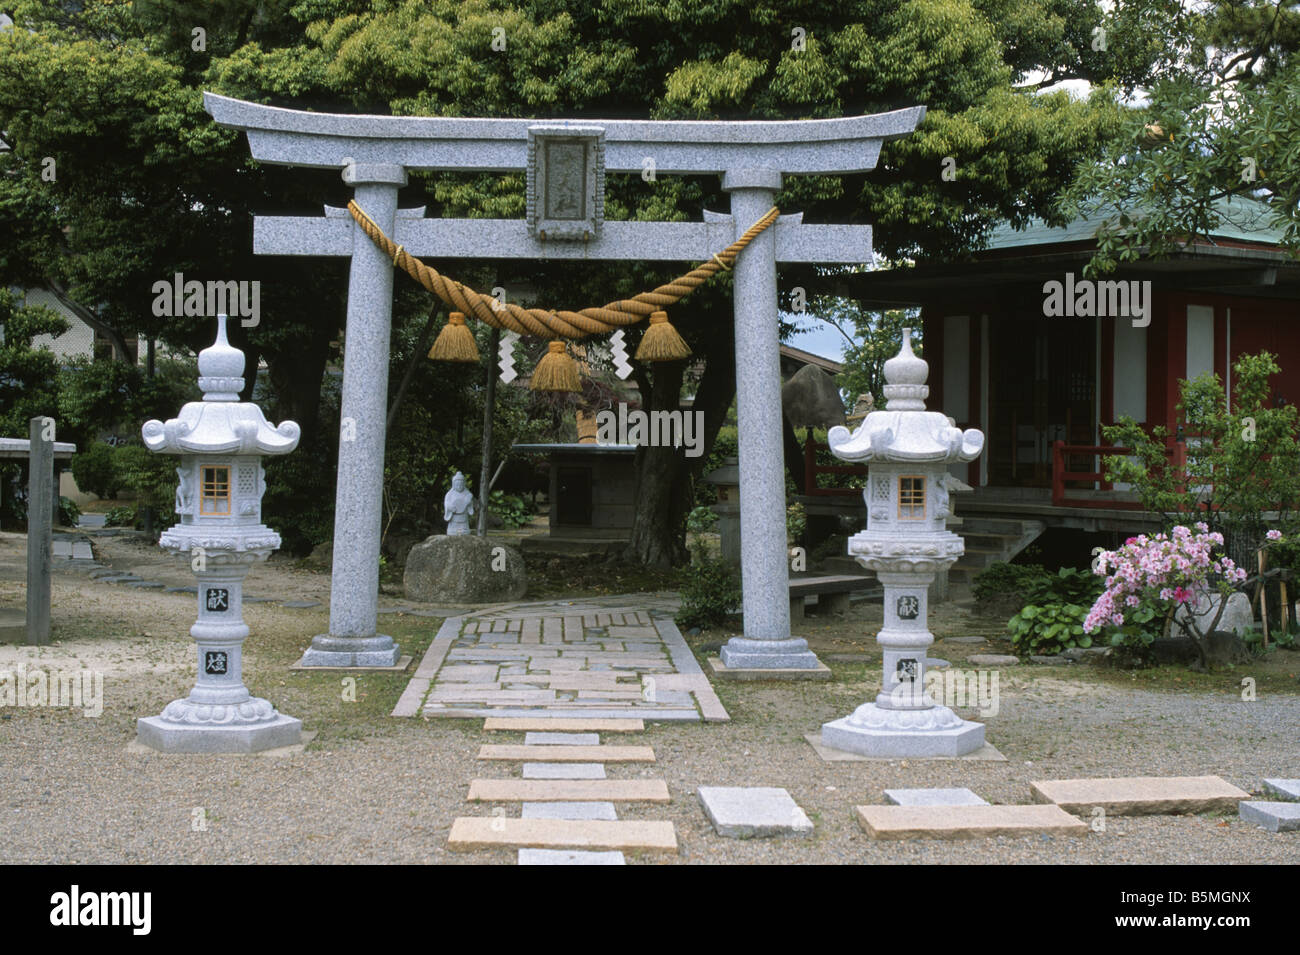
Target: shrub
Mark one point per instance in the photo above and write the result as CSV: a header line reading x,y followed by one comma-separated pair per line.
x,y
95,471
710,592
701,519
1050,627
796,520
69,513
1007,580
513,509
121,516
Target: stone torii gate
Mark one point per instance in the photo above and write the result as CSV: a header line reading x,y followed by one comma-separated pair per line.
x,y
375,154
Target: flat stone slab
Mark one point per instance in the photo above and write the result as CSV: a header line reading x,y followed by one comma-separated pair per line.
x,y
561,739
300,604
965,639
723,672
992,660
568,790
1273,816
478,832
986,752
564,771
146,584
1140,795
934,797
181,590
545,724
568,810
746,812
965,822
569,857
568,754
1283,788
402,663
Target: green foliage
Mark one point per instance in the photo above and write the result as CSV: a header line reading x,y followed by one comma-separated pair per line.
x,y
1001,579
513,509
876,337
27,373
69,513
150,477
1219,121
701,519
1242,462
1048,628
710,591
796,519
121,516
95,471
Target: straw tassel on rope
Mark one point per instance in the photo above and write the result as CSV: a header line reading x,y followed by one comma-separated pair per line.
x,y
557,371
661,342
455,342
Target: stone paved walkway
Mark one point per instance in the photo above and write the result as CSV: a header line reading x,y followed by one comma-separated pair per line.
x,y
561,659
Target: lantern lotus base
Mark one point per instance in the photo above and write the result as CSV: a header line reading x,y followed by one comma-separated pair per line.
x,y
877,731
248,727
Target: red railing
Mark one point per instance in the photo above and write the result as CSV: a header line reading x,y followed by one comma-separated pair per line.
x,y
811,469
1176,450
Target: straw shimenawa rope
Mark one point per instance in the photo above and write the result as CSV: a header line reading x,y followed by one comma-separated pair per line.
x,y
552,323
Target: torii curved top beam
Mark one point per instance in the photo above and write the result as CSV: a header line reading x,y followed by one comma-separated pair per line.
x,y
294,137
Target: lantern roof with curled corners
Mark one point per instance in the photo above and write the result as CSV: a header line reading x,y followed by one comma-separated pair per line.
x,y
904,430
220,423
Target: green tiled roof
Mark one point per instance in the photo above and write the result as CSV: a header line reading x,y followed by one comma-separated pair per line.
x,y
1240,219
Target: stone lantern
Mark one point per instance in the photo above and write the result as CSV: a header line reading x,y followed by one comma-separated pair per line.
x,y
220,441
906,543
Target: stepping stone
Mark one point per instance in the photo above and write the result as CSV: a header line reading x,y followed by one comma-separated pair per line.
x,y
564,771
965,822
568,754
935,663
1056,659
1273,816
81,550
259,600
568,810
992,660
181,590
1140,795
146,584
1285,788
561,739
544,724
392,609
120,579
478,832
568,790
106,572
965,639
934,797
569,857
744,812
300,604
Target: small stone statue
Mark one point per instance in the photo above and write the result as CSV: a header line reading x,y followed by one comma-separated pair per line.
x,y
184,492
457,507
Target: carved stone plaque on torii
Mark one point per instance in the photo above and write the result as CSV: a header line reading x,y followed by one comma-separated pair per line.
x,y
566,161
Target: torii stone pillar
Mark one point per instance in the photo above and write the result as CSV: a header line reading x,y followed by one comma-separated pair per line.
x,y
358,514
752,157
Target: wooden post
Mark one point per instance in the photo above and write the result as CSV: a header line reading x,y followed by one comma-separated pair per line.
x,y
1263,602
40,513
489,406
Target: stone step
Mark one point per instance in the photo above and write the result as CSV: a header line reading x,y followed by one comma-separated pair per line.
x,y
563,771
568,790
479,832
568,810
1140,795
567,754
561,739
965,822
1273,816
569,857
543,724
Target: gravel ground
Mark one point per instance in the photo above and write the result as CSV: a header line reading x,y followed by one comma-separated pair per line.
x,y
372,789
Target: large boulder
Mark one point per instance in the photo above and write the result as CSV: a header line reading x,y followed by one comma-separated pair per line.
x,y
1238,617
466,569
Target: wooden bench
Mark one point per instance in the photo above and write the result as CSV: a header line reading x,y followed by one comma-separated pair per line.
x,y
832,592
